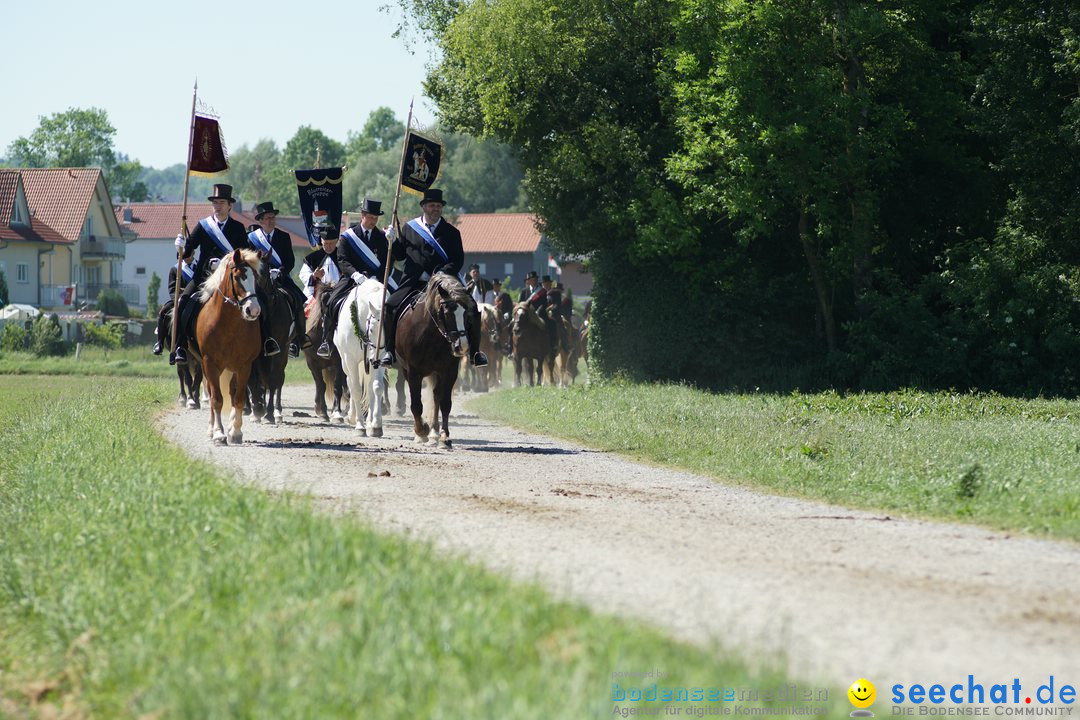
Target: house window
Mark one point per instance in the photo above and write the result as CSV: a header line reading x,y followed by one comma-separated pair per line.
x,y
18,217
22,272
508,269
140,271
88,228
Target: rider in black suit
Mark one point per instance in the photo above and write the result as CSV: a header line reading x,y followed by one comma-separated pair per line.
x,y
205,238
422,260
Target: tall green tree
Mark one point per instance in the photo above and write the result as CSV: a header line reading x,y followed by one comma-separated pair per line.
x,y
80,138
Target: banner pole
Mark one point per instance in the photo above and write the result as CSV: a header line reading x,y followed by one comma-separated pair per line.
x,y
183,221
397,232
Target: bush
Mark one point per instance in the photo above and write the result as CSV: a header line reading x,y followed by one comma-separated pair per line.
x,y
14,337
111,302
105,336
46,339
152,290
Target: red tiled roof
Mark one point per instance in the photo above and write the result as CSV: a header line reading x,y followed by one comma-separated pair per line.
x,y
161,221
9,184
60,197
37,231
498,232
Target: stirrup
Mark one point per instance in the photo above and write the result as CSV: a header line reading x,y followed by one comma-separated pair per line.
x,y
178,357
294,349
386,359
479,359
271,348
324,350
156,349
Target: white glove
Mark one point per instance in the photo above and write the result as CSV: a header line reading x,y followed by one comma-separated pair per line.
x,y
214,263
357,278
391,233
275,273
180,242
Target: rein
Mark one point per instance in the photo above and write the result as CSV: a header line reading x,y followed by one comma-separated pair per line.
x,y
455,334
238,304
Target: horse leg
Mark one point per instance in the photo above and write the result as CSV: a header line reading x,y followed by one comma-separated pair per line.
x,y
444,395
317,374
416,404
339,394
517,370
356,390
399,385
375,402
237,382
212,377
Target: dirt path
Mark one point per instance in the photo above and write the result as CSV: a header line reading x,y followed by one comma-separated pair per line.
x,y
841,594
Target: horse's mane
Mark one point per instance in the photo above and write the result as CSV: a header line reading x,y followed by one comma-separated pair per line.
x,y
504,304
530,313
211,284
453,288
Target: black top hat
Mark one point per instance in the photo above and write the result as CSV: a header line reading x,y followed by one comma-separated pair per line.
x,y
330,233
496,281
474,266
222,192
371,207
546,278
531,274
432,195
263,208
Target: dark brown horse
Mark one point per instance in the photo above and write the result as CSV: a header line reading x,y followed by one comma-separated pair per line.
x,y
431,337
268,373
532,344
327,372
229,339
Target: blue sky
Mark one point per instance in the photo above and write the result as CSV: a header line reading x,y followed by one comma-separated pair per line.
x,y
257,65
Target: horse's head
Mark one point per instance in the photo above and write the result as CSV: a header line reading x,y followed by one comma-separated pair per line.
x,y
235,280
451,306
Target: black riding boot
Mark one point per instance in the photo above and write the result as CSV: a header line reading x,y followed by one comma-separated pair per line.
x,y
387,357
329,324
179,354
159,334
270,345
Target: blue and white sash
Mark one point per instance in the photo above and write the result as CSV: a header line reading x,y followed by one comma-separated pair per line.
x,y
210,225
369,257
187,272
259,241
424,233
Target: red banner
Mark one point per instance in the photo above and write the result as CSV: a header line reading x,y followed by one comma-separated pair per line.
x,y
208,155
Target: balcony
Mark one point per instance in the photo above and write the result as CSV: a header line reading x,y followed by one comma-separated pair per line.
x,y
130,293
102,248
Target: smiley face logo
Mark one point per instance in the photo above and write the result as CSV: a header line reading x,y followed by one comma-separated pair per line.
x,y
862,693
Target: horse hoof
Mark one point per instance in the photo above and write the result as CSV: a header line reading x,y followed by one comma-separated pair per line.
x,y
420,440
362,430
375,432
237,439
446,445
219,440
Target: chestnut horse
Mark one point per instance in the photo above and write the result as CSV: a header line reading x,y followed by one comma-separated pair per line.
x,y
229,338
326,372
431,337
531,344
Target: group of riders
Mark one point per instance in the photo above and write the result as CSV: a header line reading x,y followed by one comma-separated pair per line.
x,y
427,244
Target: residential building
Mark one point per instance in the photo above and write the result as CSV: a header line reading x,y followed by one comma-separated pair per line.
x,y
85,248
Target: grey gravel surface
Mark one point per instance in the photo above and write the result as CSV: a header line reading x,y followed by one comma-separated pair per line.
x,y
837,594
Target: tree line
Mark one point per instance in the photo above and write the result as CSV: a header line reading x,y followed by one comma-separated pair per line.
x,y
478,175
782,193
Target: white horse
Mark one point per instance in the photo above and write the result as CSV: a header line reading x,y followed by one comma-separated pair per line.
x,y
355,341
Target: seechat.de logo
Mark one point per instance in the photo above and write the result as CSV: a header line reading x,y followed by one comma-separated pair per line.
x,y
862,694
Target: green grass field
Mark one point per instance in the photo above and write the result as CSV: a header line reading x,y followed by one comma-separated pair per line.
x,y
135,582
1002,462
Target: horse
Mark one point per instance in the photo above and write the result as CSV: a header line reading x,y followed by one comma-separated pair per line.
x,y
326,372
189,375
531,344
228,338
583,335
268,374
431,338
355,339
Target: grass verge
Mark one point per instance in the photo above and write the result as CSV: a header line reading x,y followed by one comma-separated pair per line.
x,y
135,582
1003,462
135,361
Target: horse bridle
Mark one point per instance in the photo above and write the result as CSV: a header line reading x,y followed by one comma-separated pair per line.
x,y
230,268
451,336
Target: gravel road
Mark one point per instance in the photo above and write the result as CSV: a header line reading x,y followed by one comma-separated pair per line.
x,y
841,594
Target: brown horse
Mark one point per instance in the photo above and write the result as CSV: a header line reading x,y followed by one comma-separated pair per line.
x,y
229,339
531,344
431,337
327,372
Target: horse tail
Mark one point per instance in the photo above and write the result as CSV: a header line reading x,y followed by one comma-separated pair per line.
x,y
431,407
